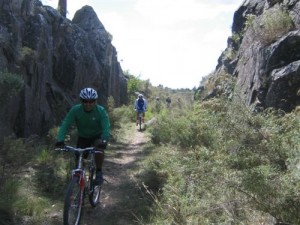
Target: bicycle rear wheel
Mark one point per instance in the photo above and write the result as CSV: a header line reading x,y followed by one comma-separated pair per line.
x,y
94,190
73,203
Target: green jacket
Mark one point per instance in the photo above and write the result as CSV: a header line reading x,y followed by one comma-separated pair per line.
x,y
89,124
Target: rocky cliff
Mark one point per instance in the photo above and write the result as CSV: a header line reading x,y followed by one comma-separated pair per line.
x,y
56,58
262,56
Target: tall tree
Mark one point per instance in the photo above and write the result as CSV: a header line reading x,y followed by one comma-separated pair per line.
x,y
62,7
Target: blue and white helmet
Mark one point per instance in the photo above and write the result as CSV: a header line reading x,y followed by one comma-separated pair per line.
x,y
88,93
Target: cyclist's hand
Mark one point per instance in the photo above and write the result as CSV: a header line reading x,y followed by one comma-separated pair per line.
x,y
60,144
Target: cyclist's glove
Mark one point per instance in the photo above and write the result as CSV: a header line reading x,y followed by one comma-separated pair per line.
x,y
60,144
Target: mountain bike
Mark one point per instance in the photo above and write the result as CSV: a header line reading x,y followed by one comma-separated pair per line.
x,y
80,185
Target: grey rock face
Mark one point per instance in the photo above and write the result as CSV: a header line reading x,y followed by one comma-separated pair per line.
x,y
267,73
57,58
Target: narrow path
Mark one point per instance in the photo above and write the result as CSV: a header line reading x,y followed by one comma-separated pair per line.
x,y
119,189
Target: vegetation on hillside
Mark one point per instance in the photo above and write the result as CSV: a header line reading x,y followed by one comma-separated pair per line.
x,y
223,164
10,85
270,26
215,162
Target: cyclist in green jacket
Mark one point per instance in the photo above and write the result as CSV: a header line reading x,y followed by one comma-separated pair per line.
x,y
93,127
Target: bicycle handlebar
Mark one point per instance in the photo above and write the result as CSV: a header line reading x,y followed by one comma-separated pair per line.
x,y
67,148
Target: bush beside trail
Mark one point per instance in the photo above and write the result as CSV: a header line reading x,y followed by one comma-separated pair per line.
x,y
225,164
209,162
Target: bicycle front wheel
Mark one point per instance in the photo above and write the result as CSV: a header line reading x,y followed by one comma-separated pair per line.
x,y
94,190
73,203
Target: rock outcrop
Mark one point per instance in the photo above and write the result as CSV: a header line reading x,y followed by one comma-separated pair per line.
x,y
263,54
56,58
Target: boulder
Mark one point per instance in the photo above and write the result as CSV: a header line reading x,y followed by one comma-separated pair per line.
x,y
265,65
56,57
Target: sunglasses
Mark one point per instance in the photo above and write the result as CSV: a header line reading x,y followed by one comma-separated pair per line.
x,y
88,101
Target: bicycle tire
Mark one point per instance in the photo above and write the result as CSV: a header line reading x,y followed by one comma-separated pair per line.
x,y
73,203
94,191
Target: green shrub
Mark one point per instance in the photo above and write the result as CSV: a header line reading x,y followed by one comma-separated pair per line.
x,y
27,53
8,195
238,165
122,115
219,85
14,152
10,85
271,25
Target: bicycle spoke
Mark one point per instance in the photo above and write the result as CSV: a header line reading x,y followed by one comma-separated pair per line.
x,y
73,203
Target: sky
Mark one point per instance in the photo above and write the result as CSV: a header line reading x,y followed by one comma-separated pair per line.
x,y
174,43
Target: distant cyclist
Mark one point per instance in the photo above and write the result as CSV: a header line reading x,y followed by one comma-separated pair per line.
x,y
157,105
92,124
140,105
168,101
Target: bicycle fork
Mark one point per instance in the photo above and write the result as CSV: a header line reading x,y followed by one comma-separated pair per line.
x,y
80,176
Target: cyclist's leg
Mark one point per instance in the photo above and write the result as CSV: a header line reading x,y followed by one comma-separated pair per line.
x,y
137,117
143,116
99,159
96,175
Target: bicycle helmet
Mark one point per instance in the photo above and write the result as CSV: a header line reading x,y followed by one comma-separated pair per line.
x,y
88,93
140,95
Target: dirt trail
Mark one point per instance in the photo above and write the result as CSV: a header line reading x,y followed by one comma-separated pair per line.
x,y
119,187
